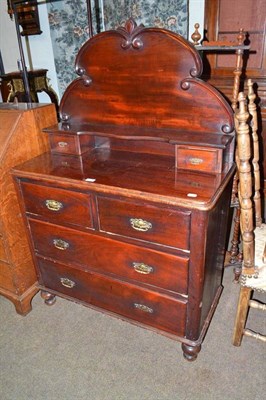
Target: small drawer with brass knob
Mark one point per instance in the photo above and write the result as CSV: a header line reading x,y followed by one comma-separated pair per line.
x,y
197,158
69,143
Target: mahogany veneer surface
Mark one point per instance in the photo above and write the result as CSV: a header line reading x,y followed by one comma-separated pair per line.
x,y
127,212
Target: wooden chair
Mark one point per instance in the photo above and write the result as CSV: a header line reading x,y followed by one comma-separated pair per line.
x,y
253,231
234,254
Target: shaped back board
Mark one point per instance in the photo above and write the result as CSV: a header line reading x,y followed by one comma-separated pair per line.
x,y
143,77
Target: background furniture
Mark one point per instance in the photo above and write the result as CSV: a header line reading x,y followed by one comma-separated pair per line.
x,y
128,212
12,86
20,139
28,15
227,47
253,274
220,17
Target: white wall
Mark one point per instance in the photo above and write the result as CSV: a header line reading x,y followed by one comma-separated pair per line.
x,y
39,47
196,15
8,39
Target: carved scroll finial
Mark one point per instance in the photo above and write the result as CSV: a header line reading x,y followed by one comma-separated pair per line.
x,y
130,34
240,37
130,25
196,36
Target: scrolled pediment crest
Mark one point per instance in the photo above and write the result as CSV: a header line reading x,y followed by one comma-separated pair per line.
x,y
130,34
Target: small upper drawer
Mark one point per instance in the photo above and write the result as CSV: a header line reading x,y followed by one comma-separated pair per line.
x,y
159,225
62,206
199,158
70,144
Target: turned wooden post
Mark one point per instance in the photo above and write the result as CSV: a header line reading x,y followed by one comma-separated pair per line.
x,y
245,186
237,73
255,160
238,70
234,252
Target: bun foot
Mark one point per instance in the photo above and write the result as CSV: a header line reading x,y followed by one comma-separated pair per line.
x,y
190,353
48,298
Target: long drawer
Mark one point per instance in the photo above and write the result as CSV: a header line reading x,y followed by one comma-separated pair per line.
x,y
158,225
106,255
145,306
64,206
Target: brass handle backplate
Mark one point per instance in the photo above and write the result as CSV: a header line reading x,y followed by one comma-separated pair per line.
x,y
195,161
53,205
60,244
62,144
140,224
142,268
67,283
143,308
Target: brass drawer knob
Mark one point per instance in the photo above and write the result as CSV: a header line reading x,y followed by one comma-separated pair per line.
x,y
140,224
142,268
67,283
143,308
60,244
62,144
195,161
53,205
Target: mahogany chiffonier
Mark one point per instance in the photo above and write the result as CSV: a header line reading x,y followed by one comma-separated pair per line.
x,y
21,138
127,212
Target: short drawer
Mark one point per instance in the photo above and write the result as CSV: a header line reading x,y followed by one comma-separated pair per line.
x,y
159,225
110,256
62,206
145,306
199,159
70,144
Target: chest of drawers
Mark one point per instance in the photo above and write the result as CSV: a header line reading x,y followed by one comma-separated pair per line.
x,y
153,259
128,211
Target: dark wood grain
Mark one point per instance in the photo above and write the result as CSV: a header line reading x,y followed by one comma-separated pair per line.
x,y
142,163
111,256
165,226
70,208
104,292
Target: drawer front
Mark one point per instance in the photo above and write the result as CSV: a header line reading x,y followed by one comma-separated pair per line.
x,y
152,224
68,162
110,256
199,159
145,306
64,144
62,206
70,144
